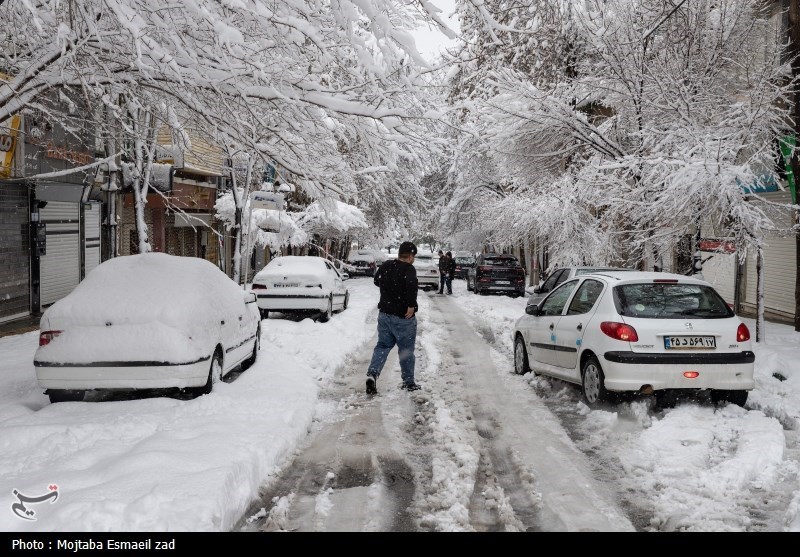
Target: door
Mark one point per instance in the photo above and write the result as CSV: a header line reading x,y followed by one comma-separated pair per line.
x,y
572,325
542,337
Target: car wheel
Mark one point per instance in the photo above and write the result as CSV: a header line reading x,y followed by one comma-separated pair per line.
x,y
214,373
326,315
65,395
521,365
738,398
264,313
256,347
593,382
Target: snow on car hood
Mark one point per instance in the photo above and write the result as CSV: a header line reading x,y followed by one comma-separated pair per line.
x,y
186,293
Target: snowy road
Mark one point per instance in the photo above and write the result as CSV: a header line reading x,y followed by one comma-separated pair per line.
x,y
475,450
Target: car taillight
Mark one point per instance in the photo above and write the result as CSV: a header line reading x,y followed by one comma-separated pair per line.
x,y
258,287
619,331
485,268
742,333
46,336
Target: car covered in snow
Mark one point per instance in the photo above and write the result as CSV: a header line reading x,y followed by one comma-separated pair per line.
x,y
649,333
301,284
147,321
365,262
427,267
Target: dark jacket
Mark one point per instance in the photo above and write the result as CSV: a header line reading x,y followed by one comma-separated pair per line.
x,y
398,283
444,264
452,269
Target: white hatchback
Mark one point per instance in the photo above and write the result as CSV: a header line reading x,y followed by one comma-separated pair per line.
x,y
637,332
300,284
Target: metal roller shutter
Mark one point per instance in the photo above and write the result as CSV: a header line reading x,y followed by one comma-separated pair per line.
x,y
720,271
61,266
14,259
780,264
91,236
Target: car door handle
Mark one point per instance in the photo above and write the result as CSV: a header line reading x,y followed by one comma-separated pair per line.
x,y
551,326
240,318
222,322
580,326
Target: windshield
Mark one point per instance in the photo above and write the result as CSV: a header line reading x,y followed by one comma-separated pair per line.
x,y
502,262
465,260
670,301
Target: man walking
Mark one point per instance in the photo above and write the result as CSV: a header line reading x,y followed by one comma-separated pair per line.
x,y
397,321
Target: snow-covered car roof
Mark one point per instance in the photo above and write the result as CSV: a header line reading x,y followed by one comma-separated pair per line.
x,y
142,288
303,264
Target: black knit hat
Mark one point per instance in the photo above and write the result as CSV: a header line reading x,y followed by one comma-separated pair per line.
x,y
407,248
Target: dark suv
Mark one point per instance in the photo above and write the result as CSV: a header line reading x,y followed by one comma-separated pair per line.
x,y
496,272
463,264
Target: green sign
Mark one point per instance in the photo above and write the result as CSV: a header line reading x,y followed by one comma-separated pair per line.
x,y
788,143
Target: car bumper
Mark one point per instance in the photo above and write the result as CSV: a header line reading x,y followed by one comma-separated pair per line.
x,y
630,371
491,287
122,375
292,302
428,281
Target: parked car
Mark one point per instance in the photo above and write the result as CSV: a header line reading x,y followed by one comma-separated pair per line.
x,y
301,284
365,261
496,273
637,332
427,266
148,321
463,264
558,276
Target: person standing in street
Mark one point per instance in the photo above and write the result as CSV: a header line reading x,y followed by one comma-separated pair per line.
x,y
444,272
451,273
397,317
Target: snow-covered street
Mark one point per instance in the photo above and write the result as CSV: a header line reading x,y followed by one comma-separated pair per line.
x,y
293,443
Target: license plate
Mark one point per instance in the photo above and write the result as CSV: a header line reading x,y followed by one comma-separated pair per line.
x,y
503,282
286,285
689,342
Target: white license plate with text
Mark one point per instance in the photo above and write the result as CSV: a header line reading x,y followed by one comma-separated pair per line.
x,y
686,342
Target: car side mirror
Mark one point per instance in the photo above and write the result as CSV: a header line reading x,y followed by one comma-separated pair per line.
x,y
345,276
248,296
532,309
537,289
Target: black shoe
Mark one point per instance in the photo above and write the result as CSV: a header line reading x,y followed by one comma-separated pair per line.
x,y
371,388
410,387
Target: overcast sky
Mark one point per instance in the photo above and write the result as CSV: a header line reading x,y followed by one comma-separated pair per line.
x,y
430,41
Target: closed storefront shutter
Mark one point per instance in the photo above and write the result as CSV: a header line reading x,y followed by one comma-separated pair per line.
x,y
14,258
720,271
780,264
91,236
61,266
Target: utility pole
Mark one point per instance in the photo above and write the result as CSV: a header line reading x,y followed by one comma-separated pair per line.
x,y
794,53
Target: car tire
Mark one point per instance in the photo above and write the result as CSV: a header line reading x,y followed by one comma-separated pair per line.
x,y
521,364
719,396
214,373
256,347
264,313
325,316
593,383
65,395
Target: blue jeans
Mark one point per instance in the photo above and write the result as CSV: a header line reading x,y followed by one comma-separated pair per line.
x,y
402,332
445,283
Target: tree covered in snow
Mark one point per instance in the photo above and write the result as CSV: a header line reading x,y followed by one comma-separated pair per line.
x,y
611,129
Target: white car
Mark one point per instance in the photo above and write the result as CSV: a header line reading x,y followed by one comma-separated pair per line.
x,y
301,284
427,267
637,332
556,277
148,321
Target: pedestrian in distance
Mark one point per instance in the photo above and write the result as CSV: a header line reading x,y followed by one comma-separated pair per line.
x,y
451,274
397,317
444,272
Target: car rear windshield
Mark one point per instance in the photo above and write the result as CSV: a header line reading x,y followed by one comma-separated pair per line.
x,y
501,261
465,260
670,301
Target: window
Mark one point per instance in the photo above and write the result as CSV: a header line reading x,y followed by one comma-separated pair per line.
x,y
550,282
585,297
555,302
670,301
